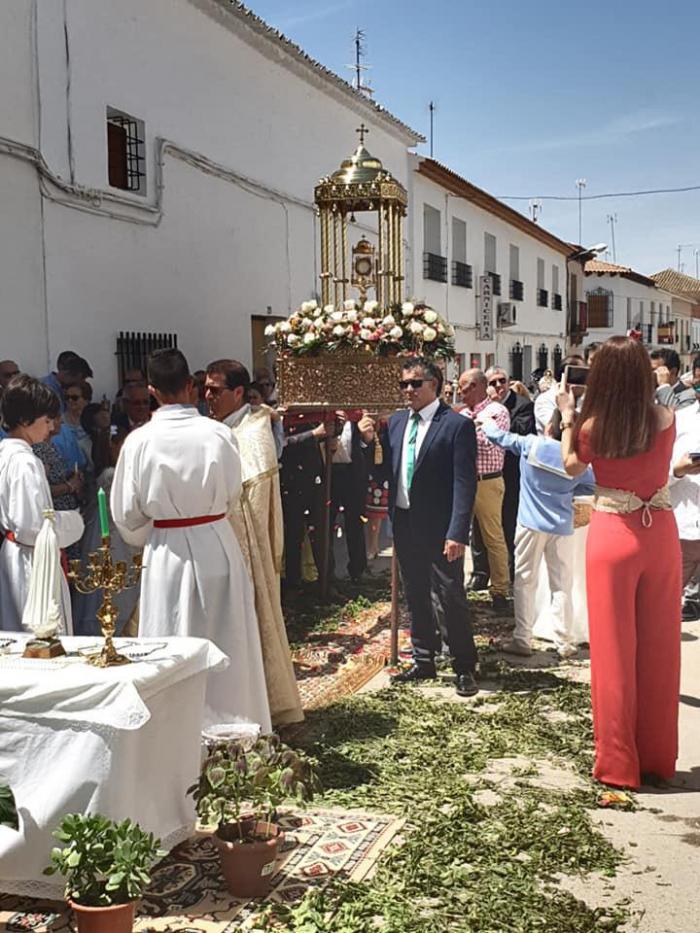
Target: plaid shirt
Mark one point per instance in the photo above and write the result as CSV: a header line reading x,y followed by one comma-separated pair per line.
x,y
489,458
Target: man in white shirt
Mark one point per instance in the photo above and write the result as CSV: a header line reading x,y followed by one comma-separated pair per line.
x,y
684,481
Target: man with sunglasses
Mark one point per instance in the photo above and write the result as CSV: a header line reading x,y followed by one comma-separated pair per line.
x,y
522,422
431,454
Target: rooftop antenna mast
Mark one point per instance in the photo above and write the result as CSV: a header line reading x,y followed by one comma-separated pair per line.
x,y
431,108
358,67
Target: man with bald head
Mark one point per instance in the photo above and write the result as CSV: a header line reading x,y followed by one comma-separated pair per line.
x,y
488,505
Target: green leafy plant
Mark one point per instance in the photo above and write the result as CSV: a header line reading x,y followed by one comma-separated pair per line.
x,y
103,862
237,788
8,809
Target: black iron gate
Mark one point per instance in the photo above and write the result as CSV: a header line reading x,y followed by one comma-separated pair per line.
x,y
133,349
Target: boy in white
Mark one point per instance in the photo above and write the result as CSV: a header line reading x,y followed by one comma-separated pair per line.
x,y
177,479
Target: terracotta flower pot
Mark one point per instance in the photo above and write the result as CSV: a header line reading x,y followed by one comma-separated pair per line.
x,y
117,918
248,867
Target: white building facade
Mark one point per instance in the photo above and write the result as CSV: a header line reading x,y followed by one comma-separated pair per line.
x,y
621,300
157,166
499,278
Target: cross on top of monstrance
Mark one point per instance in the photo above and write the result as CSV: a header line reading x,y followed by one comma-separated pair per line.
x,y
363,131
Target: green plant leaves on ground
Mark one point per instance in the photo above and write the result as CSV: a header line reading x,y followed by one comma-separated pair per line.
x,y
8,809
463,866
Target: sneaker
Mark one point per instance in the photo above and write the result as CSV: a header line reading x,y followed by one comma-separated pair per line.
x,y
691,611
567,651
500,603
517,647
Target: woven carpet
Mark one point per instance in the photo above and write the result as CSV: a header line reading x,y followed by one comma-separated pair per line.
x,y
187,891
330,665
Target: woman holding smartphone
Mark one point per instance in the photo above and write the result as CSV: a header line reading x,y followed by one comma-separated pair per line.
x,y
633,564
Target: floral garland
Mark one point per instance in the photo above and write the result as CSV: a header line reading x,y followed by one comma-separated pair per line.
x,y
408,328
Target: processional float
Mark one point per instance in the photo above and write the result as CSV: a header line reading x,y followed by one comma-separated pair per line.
x,y
345,352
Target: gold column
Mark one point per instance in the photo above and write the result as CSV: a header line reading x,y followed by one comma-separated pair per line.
x,y
400,289
380,256
336,283
399,250
325,258
389,254
344,257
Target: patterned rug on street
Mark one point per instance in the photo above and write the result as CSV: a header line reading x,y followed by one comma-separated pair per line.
x,y
187,891
333,664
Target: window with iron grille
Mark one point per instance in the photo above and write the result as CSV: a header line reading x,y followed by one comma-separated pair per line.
x,y
495,283
461,274
542,298
434,267
556,302
600,308
126,152
517,290
516,362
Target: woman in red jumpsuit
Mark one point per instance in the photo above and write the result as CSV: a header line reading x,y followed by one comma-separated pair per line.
x,y
633,564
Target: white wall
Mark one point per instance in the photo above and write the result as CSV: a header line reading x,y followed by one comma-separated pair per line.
x,y
220,250
535,325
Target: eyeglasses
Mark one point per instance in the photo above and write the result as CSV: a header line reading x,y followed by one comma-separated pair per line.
x,y
413,383
498,382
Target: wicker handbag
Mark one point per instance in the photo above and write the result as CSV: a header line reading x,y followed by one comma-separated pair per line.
x,y
582,514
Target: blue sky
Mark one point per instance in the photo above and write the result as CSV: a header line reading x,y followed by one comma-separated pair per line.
x,y
533,94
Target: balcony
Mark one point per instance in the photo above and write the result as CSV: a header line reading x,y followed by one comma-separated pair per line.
x,y
517,290
461,274
542,299
495,283
665,333
434,267
556,302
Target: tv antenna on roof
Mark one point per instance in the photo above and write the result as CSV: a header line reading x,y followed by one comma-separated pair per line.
x,y
359,83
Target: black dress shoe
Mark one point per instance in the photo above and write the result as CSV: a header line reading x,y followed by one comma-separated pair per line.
x,y
499,603
477,583
466,685
691,611
414,673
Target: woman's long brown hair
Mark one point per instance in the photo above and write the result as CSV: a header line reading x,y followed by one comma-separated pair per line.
x,y
619,400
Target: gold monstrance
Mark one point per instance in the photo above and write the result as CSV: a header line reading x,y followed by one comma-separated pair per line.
x,y
361,185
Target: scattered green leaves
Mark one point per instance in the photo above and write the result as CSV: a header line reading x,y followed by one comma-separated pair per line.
x,y
8,809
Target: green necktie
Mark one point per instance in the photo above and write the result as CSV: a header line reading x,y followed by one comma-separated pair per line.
x,y
411,460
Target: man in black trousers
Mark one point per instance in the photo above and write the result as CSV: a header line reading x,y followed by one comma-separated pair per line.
x,y
522,421
431,454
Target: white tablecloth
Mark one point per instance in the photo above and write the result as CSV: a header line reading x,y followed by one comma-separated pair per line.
x,y
122,741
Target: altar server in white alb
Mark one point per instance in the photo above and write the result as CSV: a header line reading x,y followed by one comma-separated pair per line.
x,y
177,479
28,412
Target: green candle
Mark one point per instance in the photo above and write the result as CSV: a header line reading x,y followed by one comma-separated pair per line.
x,y
102,509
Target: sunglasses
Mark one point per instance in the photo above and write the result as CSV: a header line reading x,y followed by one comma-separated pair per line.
x,y
413,383
73,398
216,390
498,382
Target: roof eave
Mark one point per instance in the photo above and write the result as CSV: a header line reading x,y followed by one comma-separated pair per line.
x,y
280,49
441,175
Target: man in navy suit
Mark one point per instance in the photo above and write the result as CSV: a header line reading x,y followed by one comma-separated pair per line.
x,y
431,451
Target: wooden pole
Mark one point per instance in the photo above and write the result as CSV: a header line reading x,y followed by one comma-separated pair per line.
x,y
326,536
394,642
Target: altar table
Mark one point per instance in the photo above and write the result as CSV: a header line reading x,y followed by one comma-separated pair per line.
x,y
121,741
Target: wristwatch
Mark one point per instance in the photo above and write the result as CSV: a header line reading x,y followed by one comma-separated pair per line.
x,y
566,424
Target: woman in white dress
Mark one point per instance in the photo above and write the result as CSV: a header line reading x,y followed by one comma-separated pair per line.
x,y
28,411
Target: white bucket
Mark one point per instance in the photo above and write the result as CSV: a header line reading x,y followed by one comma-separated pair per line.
x,y
244,732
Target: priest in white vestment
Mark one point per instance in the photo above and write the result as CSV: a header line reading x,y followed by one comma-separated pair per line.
x,y
177,479
28,411
257,521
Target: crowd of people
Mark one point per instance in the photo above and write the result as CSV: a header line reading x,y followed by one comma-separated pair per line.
x,y
223,492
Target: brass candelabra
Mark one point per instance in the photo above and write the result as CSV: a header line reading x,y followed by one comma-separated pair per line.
x,y
112,578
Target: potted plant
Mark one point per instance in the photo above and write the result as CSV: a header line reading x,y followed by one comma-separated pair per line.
x,y
107,868
239,792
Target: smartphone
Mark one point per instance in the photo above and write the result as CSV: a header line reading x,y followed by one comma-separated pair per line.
x,y
575,375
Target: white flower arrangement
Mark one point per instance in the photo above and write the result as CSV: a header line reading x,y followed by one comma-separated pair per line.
x,y
409,328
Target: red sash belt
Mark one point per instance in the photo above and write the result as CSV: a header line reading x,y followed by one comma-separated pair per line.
x,y
10,536
187,522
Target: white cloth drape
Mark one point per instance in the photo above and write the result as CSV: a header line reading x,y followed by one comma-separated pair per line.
x,y
42,612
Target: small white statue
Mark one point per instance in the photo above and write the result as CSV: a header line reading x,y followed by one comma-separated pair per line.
x,y
43,612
